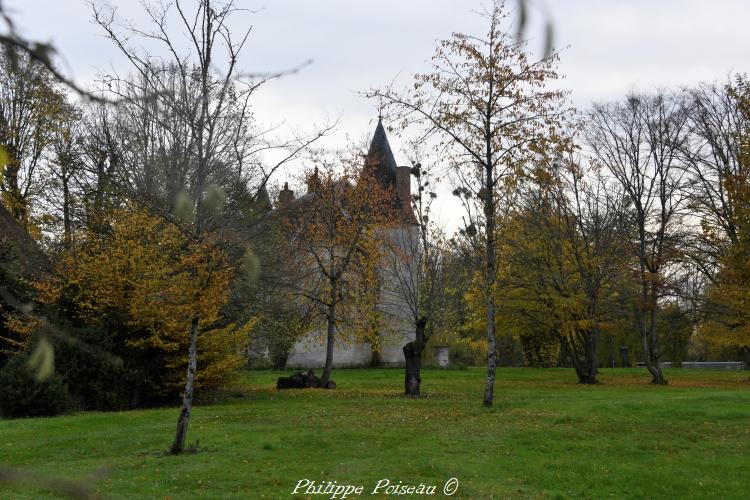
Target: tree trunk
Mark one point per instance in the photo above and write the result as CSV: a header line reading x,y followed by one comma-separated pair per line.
x,y
582,356
326,376
646,317
489,214
588,374
585,375
592,340
413,358
67,229
95,213
653,355
746,357
17,204
279,360
412,379
187,399
489,387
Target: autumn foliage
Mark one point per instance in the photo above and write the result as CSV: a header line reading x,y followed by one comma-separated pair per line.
x,y
335,241
143,281
727,324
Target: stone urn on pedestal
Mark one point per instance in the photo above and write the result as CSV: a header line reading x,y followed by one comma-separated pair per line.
x,y
441,355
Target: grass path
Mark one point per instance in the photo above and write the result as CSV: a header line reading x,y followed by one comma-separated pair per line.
x,y
547,437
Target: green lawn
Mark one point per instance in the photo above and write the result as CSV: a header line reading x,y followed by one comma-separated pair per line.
x,y
546,437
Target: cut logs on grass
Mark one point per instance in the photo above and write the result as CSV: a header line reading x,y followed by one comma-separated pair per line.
x,y
301,380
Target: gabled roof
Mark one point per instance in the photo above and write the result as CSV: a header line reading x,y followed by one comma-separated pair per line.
x,y
380,161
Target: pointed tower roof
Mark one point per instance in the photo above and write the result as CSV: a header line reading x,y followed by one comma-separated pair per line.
x,y
263,199
380,161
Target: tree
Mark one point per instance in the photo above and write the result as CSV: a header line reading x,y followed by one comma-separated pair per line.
x,y
281,319
413,265
487,106
22,262
190,124
727,322
65,170
593,220
333,233
187,118
101,154
712,155
171,86
566,270
29,105
639,142
142,282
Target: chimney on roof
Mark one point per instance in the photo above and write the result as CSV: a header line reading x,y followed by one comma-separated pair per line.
x,y
313,182
286,195
403,193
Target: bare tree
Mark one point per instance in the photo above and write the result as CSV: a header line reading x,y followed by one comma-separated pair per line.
x,y
102,150
415,279
188,125
712,155
66,169
191,121
639,142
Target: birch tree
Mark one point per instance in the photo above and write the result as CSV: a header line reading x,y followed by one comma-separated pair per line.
x,y
190,112
487,105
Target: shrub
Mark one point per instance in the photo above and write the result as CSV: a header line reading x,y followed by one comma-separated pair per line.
x,y
467,352
23,396
101,375
139,285
541,349
463,352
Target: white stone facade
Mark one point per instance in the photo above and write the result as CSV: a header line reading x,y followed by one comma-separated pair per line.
x,y
396,325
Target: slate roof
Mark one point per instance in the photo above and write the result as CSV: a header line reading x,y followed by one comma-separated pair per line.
x,y
263,198
380,160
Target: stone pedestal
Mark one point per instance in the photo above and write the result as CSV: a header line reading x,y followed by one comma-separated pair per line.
x,y
441,355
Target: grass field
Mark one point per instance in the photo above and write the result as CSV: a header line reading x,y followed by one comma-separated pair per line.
x,y
546,437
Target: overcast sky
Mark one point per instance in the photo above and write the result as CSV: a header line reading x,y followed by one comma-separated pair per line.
x,y
608,47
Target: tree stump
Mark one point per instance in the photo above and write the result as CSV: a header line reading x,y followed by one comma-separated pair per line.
x,y
301,380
